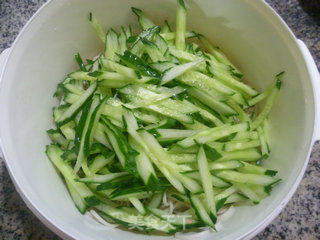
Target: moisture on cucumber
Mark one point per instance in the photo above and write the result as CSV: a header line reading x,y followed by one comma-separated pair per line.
x,y
161,132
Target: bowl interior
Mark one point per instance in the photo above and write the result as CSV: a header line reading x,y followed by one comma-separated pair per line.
x,y
248,31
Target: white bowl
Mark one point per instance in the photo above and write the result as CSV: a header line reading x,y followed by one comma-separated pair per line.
x,y
250,32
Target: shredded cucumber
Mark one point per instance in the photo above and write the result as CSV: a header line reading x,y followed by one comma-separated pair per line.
x,y
158,132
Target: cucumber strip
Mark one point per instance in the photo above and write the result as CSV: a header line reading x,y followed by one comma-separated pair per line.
x,y
189,48
261,191
146,170
145,35
154,52
164,158
143,20
70,98
106,84
177,104
169,36
73,110
263,143
166,27
266,131
155,200
251,154
174,134
232,83
186,168
95,66
105,76
216,182
113,80
243,117
180,197
218,146
125,194
137,63
112,112
139,222
253,135
77,199
243,144
183,158
225,165
101,178
202,81
104,170
225,193
82,136
182,221
69,155
248,192
73,88
125,153
144,166
205,177
250,168
146,117
235,198
163,65
82,76
111,45
165,123
268,106
149,97
204,113
213,134
95,24
181,117
195,126
161,43
147,91
259,98
128,31
178,70
218,55
174,148
122,39
99,162
183,55
58,111
54,152
93,123
118,182
68,130
181,22
212,102
100,136
98,148
246,178
138,205
189,57
56,137
173,180
129,210
201,211
114,66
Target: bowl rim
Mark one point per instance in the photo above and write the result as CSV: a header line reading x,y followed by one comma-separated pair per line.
x,y
61,232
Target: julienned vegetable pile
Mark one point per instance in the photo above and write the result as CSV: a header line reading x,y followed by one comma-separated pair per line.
x,y
159,132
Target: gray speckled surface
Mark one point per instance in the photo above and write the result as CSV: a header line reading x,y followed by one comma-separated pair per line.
x,y
299,220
